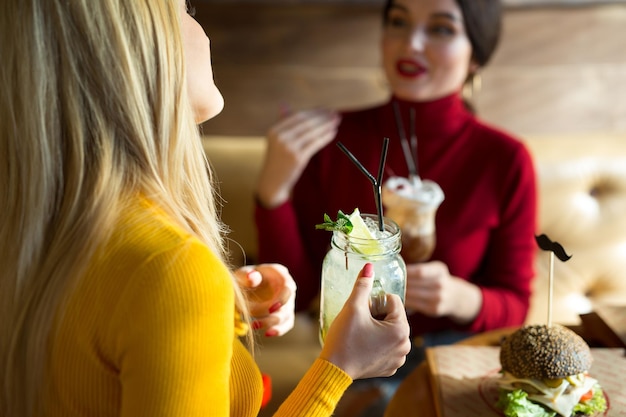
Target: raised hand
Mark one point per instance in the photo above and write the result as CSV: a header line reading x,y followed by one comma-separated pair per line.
x,y
290,145
361,345
271,294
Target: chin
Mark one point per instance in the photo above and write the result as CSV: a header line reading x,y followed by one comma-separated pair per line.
x,y
208,109
412,92
421,90
415,94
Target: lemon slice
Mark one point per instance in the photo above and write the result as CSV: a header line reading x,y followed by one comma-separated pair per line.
x,y
367,243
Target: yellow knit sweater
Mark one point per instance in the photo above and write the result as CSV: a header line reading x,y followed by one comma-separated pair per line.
x,y
150,331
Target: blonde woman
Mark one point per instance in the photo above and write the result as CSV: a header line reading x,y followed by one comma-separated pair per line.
x,y
114,295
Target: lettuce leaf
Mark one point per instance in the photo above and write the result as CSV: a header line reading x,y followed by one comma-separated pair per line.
x,y
596,404
516,404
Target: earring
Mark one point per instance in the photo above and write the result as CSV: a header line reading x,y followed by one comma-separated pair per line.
x,y
472,86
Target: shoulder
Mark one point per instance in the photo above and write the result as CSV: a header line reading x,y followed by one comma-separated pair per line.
x,y
364,114
151,253
356,127
360,126
364,111
499,141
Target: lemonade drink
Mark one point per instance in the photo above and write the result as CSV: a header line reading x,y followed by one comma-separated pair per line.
x,y
348,255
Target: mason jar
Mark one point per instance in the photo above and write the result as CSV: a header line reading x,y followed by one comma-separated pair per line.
x,y
346,258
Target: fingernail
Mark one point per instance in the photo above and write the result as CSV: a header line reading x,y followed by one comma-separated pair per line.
x,y
368,270
271,333
277,305
257,325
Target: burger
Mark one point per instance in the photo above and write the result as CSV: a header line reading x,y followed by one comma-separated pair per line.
x,y
545,373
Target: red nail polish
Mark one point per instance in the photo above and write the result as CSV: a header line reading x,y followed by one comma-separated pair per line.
x,y
257,325
271,333
275,307
368,270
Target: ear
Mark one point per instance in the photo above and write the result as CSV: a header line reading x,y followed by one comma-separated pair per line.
x,y
473,67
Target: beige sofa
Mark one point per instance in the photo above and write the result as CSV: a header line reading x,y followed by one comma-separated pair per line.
x,y
582,197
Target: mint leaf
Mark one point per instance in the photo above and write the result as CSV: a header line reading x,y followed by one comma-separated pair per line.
x,y
342,224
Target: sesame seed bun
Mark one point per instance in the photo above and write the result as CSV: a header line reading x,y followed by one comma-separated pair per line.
x,y
544,352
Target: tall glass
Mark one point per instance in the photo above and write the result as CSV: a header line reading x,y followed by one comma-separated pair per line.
x,y
346,258
413,206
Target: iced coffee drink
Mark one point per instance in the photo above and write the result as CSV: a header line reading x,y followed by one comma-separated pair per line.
x,y
412,204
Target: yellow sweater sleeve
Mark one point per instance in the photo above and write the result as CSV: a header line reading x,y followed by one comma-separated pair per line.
x,y
317,393
174,336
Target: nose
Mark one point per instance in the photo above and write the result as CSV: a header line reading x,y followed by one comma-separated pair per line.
x,y
417,40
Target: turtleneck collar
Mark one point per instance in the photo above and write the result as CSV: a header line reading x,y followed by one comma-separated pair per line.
x,y
434,119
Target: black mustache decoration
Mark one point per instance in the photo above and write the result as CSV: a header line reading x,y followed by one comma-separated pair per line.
x,y
546,244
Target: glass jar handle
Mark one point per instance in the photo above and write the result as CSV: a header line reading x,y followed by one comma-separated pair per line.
x,y
378,301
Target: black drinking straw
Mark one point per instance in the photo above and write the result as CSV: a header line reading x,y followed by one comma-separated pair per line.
x,y
376,182
406,148
379,184
413,141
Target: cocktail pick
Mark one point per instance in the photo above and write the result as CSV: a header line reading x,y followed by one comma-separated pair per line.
x,y
555,248
376,182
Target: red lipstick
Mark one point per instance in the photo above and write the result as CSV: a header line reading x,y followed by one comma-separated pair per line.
x,y
409,68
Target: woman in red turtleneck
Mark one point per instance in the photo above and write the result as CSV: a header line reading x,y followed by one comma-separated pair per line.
x,y
479,277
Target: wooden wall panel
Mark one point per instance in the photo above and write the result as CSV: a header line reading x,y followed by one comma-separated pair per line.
x,y
557,70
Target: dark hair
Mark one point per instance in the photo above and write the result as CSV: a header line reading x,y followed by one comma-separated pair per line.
x,y
483,21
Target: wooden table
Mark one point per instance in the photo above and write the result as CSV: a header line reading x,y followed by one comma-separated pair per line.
x,y
414,397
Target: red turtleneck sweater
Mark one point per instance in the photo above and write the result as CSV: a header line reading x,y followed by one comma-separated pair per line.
x,y
485,225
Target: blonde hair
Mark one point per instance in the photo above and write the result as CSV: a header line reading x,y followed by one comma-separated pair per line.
x,y
93,110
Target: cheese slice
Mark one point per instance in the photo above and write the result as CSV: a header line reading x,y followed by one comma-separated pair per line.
x,y
561,399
